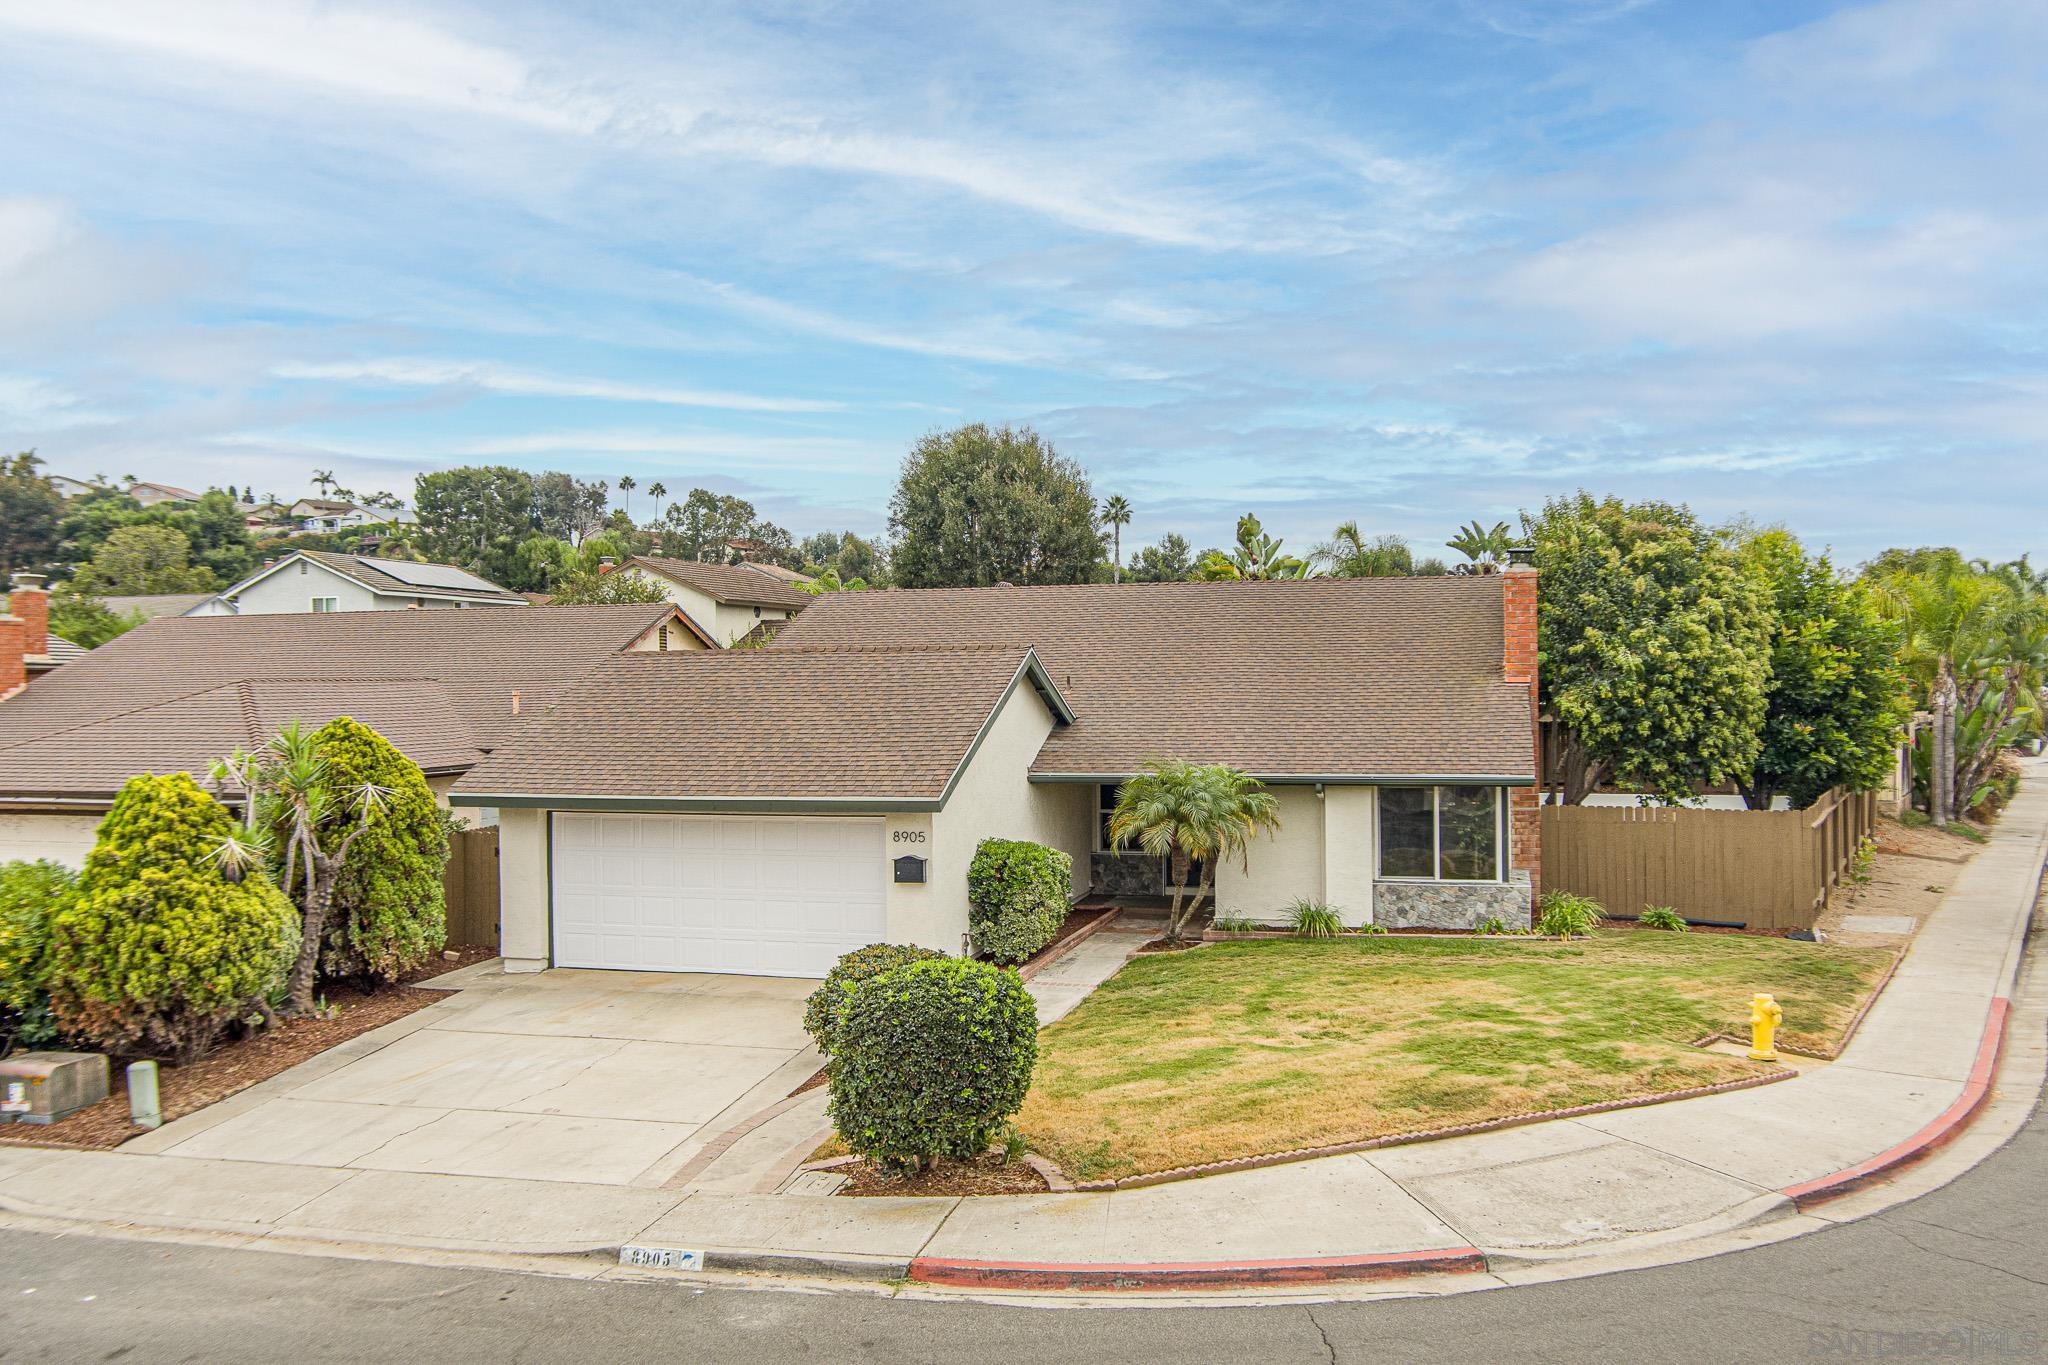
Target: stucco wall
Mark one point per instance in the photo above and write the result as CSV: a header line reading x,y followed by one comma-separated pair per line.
x,y
735,621
469,816
61,838
1281,866
1350,856
995,799
523,889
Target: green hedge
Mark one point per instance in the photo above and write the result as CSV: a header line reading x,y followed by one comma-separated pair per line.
x,y
822,1010
29,895
389,912
156,950
933,1059
1017,897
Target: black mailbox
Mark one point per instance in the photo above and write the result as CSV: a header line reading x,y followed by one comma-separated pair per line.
x,y
910,868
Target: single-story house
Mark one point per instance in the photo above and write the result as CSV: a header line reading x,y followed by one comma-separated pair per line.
x,y
68,487
729,601
176,693
764,811
341,514
328,580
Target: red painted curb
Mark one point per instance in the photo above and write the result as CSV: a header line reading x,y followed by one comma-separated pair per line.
x,y
1951,1122
1192,1274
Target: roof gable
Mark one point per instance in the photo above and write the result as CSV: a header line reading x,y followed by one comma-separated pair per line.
x,y
731,584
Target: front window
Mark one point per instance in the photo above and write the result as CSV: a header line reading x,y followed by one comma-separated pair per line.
x,y
1449,834
1105,806
324,603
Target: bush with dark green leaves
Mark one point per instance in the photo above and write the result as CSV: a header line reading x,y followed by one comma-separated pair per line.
x,y
29,894
389,912
1017,897
854,969
156,950
933,1059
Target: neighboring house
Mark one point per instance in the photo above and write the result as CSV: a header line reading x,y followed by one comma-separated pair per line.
x,y
176,693
330,581
779,574
331,514
271,518
748,811
153,494
68,487
727,600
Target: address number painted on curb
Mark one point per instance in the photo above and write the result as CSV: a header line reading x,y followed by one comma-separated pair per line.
x,y
662,1258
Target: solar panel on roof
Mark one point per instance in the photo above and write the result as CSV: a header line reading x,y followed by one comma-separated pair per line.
x,y
430,575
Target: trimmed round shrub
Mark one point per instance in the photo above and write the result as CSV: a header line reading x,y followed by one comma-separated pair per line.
x,y
29,894
1017,897
828,1002
156,950
933,1059
389,912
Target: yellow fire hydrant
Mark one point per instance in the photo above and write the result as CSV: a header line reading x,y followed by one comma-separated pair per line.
x,y
1765,1014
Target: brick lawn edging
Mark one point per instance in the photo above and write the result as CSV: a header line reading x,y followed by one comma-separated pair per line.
x,y
1943,1129
1068,944
1252,1163
966,1274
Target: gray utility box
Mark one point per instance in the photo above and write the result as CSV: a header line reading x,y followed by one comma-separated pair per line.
x,y
42,1087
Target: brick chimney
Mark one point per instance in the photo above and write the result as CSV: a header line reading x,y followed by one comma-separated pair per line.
x,y
1518,660
31,602
13,666
605,564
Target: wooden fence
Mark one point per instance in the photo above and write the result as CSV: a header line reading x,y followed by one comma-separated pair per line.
x,y
1762,869
471,886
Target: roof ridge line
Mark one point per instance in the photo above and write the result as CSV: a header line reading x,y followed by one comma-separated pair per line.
x,y
116,715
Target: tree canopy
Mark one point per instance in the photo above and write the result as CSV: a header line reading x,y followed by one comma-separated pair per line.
x,y
476,517
1654,643
30,509
981,505
144,559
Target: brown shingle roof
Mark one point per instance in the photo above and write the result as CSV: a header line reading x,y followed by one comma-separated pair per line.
x,y
749,725
175,693
367,571
733,584
1385,677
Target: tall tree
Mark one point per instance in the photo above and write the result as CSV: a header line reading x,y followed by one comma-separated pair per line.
x,y
981,505
30,508
627,483
1485,547
1170,561
1193,816
569,508
475,516
142,560
1836,693
1257,555
1350,554
1116,514
1654,645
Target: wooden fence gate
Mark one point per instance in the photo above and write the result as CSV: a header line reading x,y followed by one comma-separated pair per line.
x,y
471,887
1762,869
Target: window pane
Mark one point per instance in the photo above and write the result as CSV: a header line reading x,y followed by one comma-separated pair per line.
x,y
1407,844
1105,807
1470,834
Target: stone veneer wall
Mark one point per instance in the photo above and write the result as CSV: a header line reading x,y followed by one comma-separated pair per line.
x,y
1128,874
1451,905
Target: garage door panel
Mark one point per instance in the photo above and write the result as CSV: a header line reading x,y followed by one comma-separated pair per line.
x,y
782,896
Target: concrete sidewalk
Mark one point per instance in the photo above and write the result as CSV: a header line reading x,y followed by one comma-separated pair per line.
x,y
1541,1194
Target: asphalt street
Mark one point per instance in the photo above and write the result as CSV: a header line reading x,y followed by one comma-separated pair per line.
x,y
1960,1274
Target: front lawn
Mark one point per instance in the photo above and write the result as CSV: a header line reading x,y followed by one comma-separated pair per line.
x,y
1239,1049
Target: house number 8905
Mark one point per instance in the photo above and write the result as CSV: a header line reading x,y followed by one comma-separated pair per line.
x,y
906,836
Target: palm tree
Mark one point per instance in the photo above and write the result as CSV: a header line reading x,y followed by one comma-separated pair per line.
x,y
1116,514
626,486
288,795
1348,554
1192,815
1485,548
323,479
657,490
1258,555
1949,618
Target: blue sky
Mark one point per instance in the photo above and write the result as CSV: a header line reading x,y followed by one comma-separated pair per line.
x,y
1409,263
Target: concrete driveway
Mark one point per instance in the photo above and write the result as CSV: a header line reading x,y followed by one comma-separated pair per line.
x,y
612,1078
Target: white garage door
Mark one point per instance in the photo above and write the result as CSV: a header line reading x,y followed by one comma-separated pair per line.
x,y
766,896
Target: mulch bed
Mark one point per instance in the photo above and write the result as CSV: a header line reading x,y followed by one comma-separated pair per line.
x,y
983,1175
465,955
235,1066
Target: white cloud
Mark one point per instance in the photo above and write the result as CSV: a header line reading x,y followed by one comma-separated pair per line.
x,y
473,374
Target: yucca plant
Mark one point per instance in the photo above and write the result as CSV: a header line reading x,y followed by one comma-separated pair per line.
x,y
287,798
